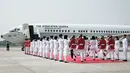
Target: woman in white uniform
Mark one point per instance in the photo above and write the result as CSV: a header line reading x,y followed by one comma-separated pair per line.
x,y
66,48
117,46
35,48
51,47
86,47
56,45
40,47
44,46
47,48
93,46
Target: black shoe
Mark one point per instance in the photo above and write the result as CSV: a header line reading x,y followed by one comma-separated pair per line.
x,y
117,59
55,60
125,60
74,59
51,59
93,59
103,59
82,61
66,62
60,60
47,58
108,58
96,57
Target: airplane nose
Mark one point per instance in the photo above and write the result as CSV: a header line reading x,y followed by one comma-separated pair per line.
x,y
1,36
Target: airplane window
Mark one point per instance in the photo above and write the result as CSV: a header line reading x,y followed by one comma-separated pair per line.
x,y
68,30
48,30
9,35
91,30
59,30
104,31
45,30
96,31
73,30
56,30
53,30
65,30
83,30
127,31
99,31
79,31
62,30
86,31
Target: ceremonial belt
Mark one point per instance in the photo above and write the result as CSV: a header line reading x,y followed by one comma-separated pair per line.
x,y
81,44
73,44
111,44
102,44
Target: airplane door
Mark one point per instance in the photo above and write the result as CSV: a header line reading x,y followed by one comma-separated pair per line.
x,y
31,32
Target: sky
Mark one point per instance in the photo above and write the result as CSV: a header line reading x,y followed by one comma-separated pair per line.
x,y
17,12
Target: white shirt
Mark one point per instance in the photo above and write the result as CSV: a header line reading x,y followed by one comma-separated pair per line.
x,y
56,44
117,44
51,43
61,43
44,43
93,44
125,43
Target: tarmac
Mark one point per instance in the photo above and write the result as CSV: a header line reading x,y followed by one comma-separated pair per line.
x,y
15,61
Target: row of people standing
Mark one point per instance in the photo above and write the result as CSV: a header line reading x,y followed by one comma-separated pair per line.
x,y
83,46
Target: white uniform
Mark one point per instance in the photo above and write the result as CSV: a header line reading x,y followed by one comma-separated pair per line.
x,y
93,47
47,48
55,52
125,47
51,48
61,47
32,47
44,47
117,46
40,48
86,48
66,49
36,48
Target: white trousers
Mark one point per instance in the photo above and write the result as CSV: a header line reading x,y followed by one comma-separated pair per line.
x,y
117,53
55,53
47,52
125,53
60,53
111,54
51,52
81,54
43,51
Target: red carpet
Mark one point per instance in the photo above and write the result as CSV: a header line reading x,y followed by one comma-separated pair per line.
x,y
89,60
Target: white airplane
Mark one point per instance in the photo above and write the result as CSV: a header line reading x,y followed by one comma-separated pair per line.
x,y
18,34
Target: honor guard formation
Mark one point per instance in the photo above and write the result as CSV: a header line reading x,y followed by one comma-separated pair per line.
x,y
62,46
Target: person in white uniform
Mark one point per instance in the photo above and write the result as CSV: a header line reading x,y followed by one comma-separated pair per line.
x,y
51,47
125,47
35,48
56,45
47,48
40,48
93,46
117,46
86,47
61,47
44,46
66,48
32,47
